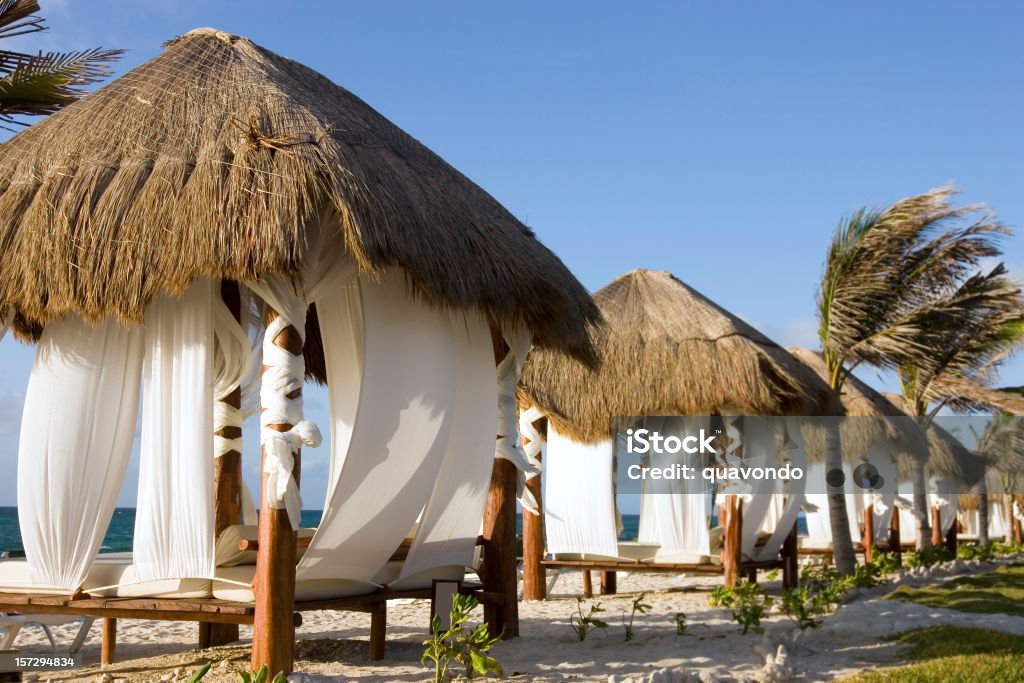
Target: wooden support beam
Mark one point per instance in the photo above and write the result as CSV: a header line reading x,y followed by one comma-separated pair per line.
x,y
790,560
609,582
498,572
868,539
895,543
273,640
227,480
535,585
732,551
936,527
588,584
253,544
108,649
378,630
951,537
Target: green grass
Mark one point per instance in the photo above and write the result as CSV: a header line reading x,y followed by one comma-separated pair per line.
x,y
954,654
1001,591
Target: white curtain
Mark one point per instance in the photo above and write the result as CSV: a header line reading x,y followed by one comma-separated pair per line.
x,y
819,529
174,524
77,428
785,506
399,433
580,508
679,507
948,503
884,497
759,450
451,521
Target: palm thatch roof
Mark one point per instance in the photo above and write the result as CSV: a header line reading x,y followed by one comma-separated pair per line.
x,y
668,350
870,418
212,159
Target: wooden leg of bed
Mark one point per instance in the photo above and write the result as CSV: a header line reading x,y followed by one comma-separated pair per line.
x,y
212,635
109,647
378,630
751,575
588,588
609,583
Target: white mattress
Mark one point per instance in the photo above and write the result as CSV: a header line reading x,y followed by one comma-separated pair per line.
x,y
111,572
237,586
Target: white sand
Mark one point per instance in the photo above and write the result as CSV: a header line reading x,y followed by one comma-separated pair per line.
x,y
333,645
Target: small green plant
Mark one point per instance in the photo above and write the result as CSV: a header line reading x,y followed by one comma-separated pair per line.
x,y
927,557
747,601
260,676
804,606
583,624
680,623
772,575
975,551
638,606
200,672
457,645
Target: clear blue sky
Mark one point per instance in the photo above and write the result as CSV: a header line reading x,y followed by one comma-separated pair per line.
x,y
720,141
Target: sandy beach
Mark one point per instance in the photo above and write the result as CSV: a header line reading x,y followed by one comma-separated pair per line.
x,y
333,645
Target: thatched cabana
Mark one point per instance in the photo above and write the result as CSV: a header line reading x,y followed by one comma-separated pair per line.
x,y
669,350
666,350
221,161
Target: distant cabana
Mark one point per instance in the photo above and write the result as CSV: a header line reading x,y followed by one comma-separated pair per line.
x,y
220,199
666,350
875,432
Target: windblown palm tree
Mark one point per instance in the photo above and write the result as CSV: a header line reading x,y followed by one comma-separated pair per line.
x,y
891,276
32,85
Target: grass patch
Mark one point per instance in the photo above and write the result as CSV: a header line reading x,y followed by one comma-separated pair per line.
x,y
1001,591
954,654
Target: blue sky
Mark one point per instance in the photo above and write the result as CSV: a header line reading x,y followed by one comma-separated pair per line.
x,y
720,141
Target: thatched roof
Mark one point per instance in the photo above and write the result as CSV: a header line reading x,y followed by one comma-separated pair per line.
x,y
947,457
668,350
212,159
870,417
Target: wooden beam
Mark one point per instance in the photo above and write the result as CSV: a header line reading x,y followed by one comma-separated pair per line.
x,y
378,630
588,585
936,527
498,570
535,583
609,583
951,537
868,539
253,544
227,479
732,550
790,560
108,649
273,640
895,543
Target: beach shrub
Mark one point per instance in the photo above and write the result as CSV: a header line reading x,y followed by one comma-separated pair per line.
x,y
260,676
927,557
680,623
747,601
803,606
975,551
582,623
638,606
200,672
457,645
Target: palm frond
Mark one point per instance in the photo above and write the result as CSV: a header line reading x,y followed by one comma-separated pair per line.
x,y
46,82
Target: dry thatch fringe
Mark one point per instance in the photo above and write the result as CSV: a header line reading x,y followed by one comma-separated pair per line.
x,y
668,350
148,183
871,419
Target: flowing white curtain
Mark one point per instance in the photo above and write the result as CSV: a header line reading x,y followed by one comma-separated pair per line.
x,y
77,428
451,521
778,523
759,450
399,433
819,529
174,523
580,507
679,506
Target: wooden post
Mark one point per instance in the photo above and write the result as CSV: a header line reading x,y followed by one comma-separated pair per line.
x,y
227,480
895,542
1018,531
534,577
498,570
588,584
936,527
108,649
731,552
378,630
609,583
868,539
790,560
273,635
951,537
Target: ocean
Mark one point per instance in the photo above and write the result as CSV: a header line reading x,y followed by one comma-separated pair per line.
x,y
122,526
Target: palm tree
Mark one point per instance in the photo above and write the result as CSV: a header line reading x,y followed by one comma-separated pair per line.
x,y
40,84
887,280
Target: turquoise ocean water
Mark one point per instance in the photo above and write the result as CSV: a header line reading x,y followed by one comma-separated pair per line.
x,y
122,525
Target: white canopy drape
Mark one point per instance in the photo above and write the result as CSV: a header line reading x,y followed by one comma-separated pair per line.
x,y
174,525
77,428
